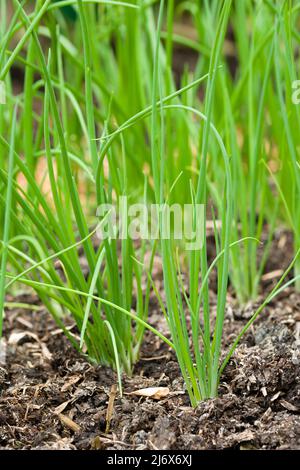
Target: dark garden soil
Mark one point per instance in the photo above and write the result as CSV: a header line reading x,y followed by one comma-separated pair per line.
x,y
52,398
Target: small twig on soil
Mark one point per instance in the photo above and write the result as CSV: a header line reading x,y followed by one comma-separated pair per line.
x,y
155,358
110,408
272,275
69,423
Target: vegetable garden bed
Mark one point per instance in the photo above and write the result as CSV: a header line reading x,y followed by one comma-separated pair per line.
x,y
45,381
149,224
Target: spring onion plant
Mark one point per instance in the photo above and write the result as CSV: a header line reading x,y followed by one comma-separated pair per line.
x,y
199,356
200,366
239,110
287,121
244,111
51,224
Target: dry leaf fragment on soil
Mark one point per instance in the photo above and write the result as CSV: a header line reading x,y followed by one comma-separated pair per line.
x,y
45,351
3,348
274,397
156,393
72,381
110,407
60,408
288,406
16,337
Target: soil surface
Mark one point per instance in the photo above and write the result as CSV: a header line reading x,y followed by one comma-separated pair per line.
x,y
53,398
